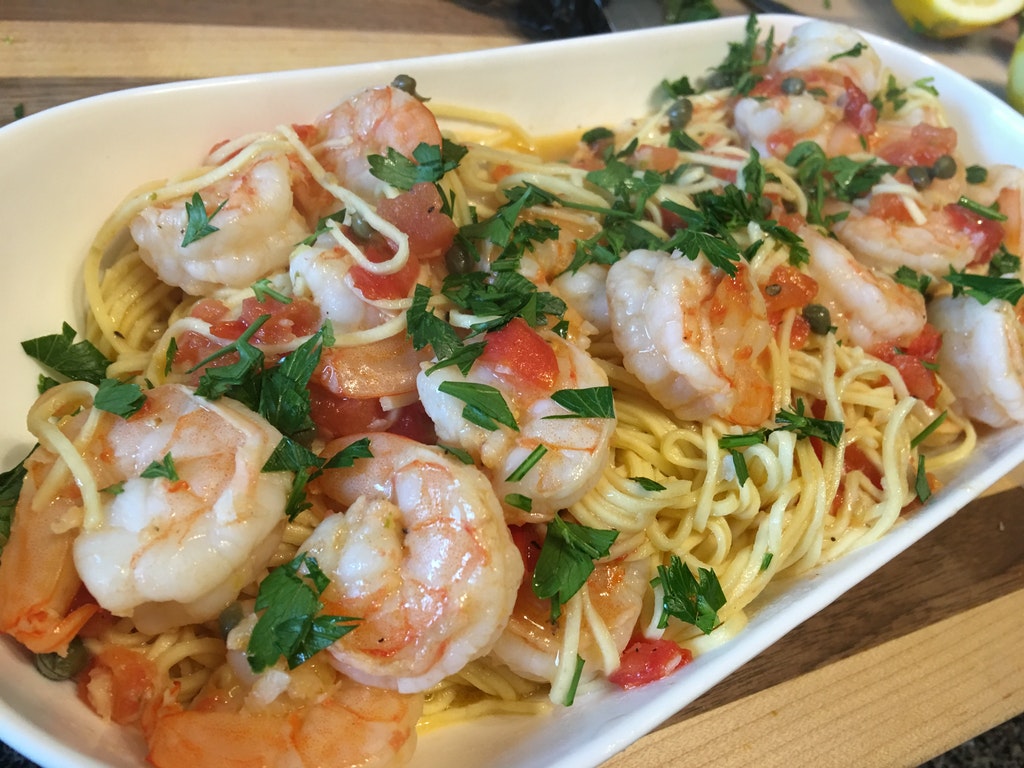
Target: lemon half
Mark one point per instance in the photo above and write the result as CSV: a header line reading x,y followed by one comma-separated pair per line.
x,y
953,18
1015,77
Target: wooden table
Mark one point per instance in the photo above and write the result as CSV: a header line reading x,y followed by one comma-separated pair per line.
x,y
920,657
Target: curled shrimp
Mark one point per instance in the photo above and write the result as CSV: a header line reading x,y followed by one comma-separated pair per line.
x,y
176,547
531,644
982,357
420,554
370,123
526,367
316,718
816,90
256,229
867,306
39,586
694,336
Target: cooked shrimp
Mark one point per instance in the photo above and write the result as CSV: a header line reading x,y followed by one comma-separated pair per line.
x,y
420,553
825,98
256,230
531,643
693,336
930,247
527,368
38,581
822,44
177,549
867,306
319,718
982,357
369,123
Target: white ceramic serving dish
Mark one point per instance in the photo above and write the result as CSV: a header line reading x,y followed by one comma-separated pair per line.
x,y
65,169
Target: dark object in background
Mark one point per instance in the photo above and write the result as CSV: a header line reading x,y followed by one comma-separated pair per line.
x,y
549,19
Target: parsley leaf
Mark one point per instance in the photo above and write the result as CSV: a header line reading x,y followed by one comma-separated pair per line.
x,y
485,405
921,486
736,70
528,463
566,560
217,381
679,11
830,432
263,290
984,288
904,275
198,225
429,163
283,397
585,403
290,456
80,361
424,327
647,484
161,469
290,625
120,398
693,600
10,489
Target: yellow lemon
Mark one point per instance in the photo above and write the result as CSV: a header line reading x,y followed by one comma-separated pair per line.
x,y
953,18
1015,77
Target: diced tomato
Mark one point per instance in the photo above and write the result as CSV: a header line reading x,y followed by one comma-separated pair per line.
x,y
413,422
923,146
528,541
985,234
394,285
420,214
789,288
521,351
645,661
656,158
858,111
671,221
854,459
339,416
208,310
911,360
885,205
781,142
117,683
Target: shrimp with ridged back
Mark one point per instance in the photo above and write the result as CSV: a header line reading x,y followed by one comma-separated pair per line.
x,y
694,336
526,367
417,549
169,514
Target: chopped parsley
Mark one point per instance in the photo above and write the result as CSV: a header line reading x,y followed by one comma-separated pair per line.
x,y
432,162
984,288
10,489
485,405
198,225
118,397
528,463
694,600
291,625
566,560
586,402
163,469
76,361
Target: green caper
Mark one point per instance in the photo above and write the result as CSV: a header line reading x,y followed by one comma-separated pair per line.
x,y
920,176
57,667
818,318
459,260
944,167
679,114
716,80
408,84
772,289
793,86
229,618
361,227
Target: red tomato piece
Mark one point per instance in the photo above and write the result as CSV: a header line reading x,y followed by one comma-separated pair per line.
x,y
519,350
645,661
395,285
789,288
339,416
925,144
888,206
984,233
660,159
420,214
858,111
